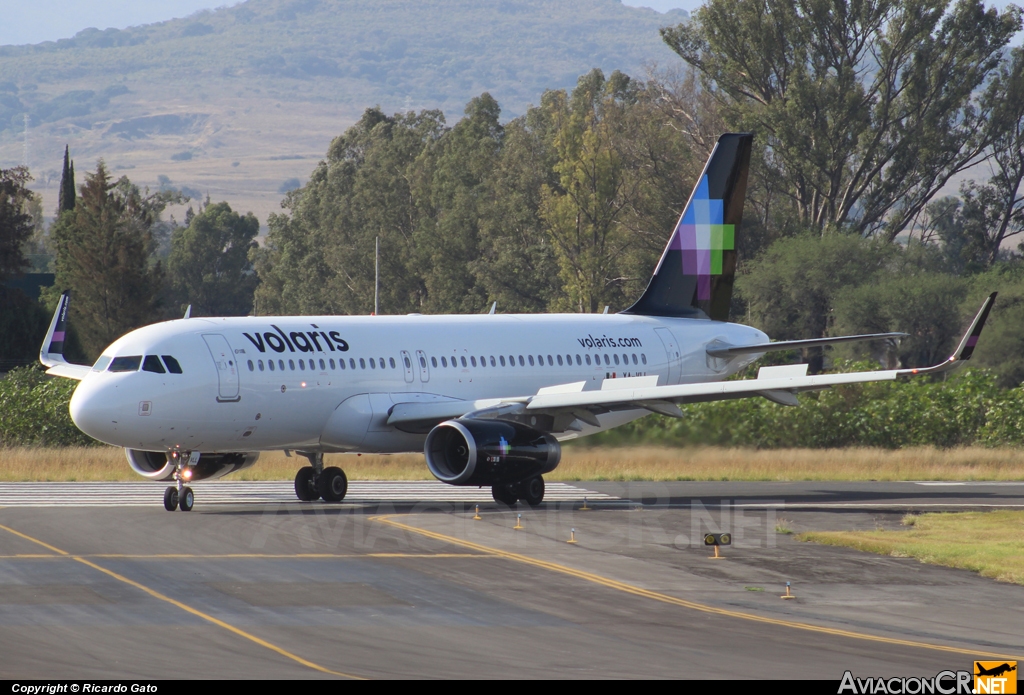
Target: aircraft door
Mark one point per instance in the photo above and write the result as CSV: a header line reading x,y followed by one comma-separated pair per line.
x,y
421,357
227,369
407,365
672,352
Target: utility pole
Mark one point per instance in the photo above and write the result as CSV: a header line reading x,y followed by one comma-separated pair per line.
x,y
25,146
376,280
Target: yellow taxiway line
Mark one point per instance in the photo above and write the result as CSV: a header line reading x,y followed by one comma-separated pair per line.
x,y
665,598
188,609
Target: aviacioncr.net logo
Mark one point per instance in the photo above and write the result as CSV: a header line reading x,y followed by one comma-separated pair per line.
x,y
943,683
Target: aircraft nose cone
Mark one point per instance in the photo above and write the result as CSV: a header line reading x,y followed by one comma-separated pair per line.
x,y
92,411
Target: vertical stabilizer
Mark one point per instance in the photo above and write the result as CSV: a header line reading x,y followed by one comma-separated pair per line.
x,y
695,275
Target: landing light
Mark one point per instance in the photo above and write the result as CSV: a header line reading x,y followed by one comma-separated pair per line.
x,y
303,384
187,474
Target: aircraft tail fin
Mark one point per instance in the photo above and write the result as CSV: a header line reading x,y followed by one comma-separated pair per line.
x,y
695,275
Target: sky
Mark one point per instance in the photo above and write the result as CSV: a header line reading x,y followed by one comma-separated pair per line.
x,y
49,20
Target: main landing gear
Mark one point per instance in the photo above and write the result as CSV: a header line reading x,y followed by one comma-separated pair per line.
x,y
529,491
314,482
181,496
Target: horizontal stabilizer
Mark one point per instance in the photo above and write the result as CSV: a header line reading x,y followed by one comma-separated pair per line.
x,y
724,350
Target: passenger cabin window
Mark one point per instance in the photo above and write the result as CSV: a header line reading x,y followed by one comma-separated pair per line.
x,y
252,367
152,364
391,361
101,363
172,364
125,364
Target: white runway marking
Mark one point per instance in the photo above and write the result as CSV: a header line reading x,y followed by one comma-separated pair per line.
x,y
142,494
972,483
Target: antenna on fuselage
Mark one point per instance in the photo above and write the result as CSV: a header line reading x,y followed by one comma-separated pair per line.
x,y
188,312
376,279
493,308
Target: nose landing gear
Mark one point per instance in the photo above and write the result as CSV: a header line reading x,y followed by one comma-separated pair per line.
x,y
181,496
313,482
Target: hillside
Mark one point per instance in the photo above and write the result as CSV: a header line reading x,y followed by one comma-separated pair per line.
x,y
240,101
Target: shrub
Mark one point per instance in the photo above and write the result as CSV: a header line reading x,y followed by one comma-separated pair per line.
x,y
34,410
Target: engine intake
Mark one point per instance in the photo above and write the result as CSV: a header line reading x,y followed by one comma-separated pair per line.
x,y
489,452
155,466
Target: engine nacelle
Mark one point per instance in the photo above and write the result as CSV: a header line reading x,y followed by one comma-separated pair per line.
x,y
489,452
155,466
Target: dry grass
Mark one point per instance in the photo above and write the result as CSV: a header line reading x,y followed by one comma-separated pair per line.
x,y
990,543
638,463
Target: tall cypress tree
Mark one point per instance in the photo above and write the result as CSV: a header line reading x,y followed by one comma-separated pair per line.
x,y
66,200
103,249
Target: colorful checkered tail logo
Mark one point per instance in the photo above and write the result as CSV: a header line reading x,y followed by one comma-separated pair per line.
x,y
695,275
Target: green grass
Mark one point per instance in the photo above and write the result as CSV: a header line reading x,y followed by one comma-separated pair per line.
x,y
990,543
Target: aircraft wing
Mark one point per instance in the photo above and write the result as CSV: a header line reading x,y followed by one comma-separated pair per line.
x,y
51,354
779,384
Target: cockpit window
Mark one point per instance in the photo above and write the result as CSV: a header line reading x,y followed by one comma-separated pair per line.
x,y
125,364
152,364
172,364
101,363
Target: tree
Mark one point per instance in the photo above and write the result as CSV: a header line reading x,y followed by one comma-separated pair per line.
x,y
452,194
926,305
320,257
209,265
66,193
790,290
582,210
866,108
973,227
16,223
103,248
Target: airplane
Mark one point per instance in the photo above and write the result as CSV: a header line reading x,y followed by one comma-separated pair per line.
x,y
488,398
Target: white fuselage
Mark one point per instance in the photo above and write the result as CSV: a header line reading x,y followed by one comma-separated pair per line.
x,y
334,379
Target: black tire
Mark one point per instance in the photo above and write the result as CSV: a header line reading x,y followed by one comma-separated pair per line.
x,y
333,484
531,491
504,494
186,499
170,499
305,489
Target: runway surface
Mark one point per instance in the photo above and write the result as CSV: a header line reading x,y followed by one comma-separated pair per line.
x,y
137,494
387,585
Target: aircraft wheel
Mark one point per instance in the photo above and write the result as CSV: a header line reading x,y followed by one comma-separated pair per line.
x,y
305,488
170,499
504,494
531,491
186,499
333,484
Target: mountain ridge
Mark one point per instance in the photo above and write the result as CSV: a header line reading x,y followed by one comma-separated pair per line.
x,y
275,80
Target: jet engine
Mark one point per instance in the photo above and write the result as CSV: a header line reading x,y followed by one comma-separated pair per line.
x,y
489,452
155,466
